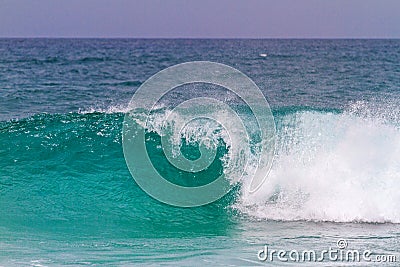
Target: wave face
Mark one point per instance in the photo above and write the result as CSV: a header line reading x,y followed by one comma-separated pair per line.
x,y
330,166
66,172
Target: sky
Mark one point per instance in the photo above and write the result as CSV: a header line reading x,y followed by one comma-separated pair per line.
x,y
201,18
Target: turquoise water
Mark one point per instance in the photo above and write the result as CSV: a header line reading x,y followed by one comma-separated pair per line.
x,y
67,197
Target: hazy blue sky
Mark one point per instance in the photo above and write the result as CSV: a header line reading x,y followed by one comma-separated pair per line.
x,y
201,18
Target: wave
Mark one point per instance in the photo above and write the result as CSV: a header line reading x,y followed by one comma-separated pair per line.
x,y
330,165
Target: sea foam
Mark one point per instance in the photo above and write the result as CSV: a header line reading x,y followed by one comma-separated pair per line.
x,y
339,167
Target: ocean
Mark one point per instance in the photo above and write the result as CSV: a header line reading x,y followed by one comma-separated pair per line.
x,y
67,197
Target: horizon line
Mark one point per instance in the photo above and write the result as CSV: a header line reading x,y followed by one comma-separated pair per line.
x,y
201,38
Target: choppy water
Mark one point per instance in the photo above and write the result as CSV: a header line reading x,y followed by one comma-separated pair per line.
x,y
67,197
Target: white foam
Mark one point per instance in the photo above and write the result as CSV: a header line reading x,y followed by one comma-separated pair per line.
x,y
108,110
332,167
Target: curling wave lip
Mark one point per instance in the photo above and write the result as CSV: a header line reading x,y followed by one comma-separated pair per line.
x,y
146,98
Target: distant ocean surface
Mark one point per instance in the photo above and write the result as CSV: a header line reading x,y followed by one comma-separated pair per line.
x,y
67,197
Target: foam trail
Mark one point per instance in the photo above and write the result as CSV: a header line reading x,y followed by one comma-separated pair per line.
x,y
108,110
332,167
